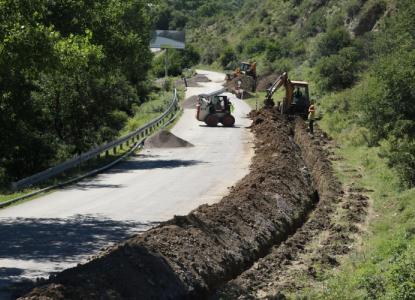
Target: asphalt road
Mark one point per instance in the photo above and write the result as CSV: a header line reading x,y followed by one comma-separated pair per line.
x,y
60,230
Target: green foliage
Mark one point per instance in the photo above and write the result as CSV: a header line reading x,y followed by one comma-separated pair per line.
x,y
280,66
387,104
316,23
401,157
286,46
255,46
61,91
272,51
178,60
338,71
353,8
210,9
333,41
228,55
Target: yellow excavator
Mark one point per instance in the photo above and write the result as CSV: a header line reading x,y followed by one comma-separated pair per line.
x,y
296,100
247,68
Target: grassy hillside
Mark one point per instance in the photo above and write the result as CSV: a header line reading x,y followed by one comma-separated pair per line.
x,y
359,58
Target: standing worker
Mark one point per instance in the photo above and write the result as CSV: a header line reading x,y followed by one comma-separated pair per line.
x,y
311,118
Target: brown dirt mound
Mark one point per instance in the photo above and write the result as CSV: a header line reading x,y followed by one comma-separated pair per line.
x,y
165,139
246,95
264,82
189,256
247,83
190,103
193,82
200,78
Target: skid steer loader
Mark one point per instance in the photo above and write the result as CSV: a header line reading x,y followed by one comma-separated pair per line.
x,y
215,108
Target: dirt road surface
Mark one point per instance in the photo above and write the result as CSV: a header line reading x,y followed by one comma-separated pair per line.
x,y
60,230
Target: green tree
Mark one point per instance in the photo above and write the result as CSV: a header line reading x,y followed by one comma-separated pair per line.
x,y
333,41
228,55
338,71
272,51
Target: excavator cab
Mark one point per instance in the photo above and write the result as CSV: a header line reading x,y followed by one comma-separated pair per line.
x,y
301,100
248,69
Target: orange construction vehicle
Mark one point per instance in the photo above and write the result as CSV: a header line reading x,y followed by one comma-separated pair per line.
x,y
248,69
296,100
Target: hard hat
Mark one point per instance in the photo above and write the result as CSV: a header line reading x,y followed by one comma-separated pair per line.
x,y
312,107
229,98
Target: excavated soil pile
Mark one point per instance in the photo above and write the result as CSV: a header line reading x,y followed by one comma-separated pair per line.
x,y
246,95
193,82
165,139
264,82
189,256
299,256
247,83
189,103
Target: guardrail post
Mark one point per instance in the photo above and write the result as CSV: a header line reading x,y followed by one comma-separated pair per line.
x,y
127,143
98,157
79,168
89,162
107,154
13,186
114,150
121,146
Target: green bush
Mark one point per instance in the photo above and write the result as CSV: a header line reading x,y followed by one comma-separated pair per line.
x,y
227,56
353,8
286,46
315,24
401,157
282,65
272,51
333,41
299,48
338,71
336,20
255,46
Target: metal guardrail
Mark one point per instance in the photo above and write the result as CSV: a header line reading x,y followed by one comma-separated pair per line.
x,y
94,152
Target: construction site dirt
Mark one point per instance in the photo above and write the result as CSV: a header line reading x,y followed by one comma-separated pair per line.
x,y
233,248
249,84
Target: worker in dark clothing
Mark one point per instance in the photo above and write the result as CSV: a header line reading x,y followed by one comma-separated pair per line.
x,y
298,93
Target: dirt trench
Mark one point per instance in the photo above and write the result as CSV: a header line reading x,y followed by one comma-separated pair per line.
x,y
190,256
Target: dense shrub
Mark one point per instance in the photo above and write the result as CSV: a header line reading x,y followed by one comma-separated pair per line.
x,y
272,51
353,8
338,71
255,46
286,46
315,24
227,56
333,41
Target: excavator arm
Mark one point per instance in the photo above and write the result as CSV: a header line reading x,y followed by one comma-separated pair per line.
x,y
289,90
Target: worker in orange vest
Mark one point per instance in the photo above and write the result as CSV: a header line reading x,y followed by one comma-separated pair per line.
x,y
311,119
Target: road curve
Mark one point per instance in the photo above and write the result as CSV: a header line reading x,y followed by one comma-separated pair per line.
x,y
57,231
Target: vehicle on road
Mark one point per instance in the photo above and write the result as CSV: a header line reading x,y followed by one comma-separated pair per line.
x,y
214,108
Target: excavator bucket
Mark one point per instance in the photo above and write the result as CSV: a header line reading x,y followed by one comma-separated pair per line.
x,y
269,102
